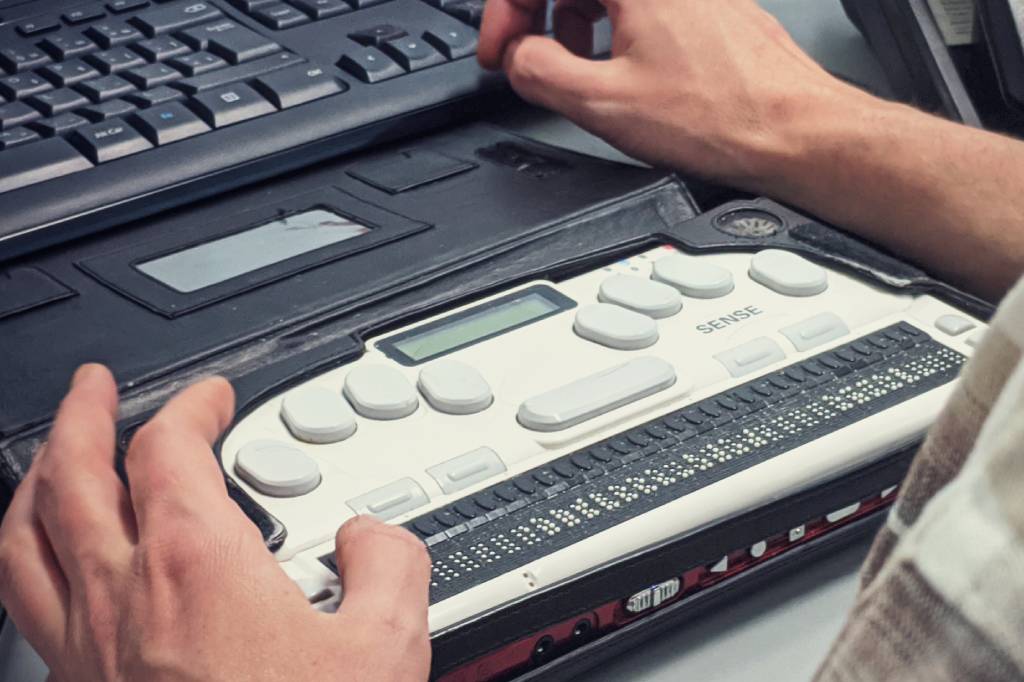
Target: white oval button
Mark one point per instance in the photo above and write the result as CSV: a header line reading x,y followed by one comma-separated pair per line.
x,y
380,392
615,327
277,469
595,395
788,273
315,414
693,277
454,387
641,295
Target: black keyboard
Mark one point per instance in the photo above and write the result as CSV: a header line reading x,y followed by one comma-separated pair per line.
x,y
113,110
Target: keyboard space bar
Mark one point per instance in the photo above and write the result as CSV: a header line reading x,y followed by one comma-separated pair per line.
x,y
38,161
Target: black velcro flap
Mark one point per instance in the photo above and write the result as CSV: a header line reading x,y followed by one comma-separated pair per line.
x,y
22,289
408,169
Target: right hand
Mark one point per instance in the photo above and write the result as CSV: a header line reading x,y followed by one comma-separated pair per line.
x,y
712,87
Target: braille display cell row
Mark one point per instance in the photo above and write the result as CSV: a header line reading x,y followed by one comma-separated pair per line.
x,y
553,506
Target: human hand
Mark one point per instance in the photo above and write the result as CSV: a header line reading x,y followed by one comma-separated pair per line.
x,y
171,582
712,87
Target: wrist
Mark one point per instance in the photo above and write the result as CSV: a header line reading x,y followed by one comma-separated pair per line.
x,y
807,133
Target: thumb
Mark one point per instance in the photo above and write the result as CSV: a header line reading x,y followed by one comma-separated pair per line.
x,y
545,72
385,575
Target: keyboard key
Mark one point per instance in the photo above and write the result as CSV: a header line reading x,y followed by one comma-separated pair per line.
x,y
250,5
16,136
322,9
242,72
45,160
37,25
197,63
469,11
58,125
151,98
80,15
377,36
231,104
231,41
453,43
57,101
22,86
109,140
280,16
69,72
112,33
107,110
67,44
18,59
16,114
159,49
370,65
168,123
115,60
104,88
175,16
152,75
298,85
119,6
361,4
413,54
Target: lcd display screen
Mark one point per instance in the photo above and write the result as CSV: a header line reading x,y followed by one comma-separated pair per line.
x,y
220,260
484,323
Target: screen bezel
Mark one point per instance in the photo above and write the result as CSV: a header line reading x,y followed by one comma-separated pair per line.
x,y
119,270
389,345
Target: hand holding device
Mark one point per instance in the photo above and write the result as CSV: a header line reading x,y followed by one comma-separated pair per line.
x,y
171,581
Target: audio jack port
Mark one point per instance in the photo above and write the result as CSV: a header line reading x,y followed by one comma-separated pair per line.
x,y
542,649
582,631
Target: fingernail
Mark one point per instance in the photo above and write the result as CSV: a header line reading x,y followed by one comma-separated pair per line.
x,y
84,372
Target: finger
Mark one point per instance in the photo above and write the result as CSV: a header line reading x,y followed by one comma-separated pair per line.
x,y
32,586
385,573
171,468
79,498
546,73
574,24
504,21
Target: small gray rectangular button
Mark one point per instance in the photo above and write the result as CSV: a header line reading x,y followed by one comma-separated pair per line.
x,y
465,470
391,500
751,356
815,331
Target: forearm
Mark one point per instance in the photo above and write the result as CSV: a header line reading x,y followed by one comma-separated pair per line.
x,y
947,197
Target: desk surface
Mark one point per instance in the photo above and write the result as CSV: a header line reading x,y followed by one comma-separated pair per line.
x,y
781,633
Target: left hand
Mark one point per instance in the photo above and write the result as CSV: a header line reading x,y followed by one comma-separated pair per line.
x,y
171,582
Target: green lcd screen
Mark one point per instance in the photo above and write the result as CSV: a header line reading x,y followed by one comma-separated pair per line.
x,y
487,321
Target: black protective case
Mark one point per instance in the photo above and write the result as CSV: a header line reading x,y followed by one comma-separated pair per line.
x,y
467,213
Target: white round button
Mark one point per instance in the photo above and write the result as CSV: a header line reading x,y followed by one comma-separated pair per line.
x,y
380,392
641,295
788,273
954,325
615,327
315,414
694,277
277,469
454,387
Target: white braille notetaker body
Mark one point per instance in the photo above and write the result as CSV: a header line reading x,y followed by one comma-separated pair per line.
x,y
475,396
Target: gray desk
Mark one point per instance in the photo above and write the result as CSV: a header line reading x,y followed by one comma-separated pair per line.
x,y
780,633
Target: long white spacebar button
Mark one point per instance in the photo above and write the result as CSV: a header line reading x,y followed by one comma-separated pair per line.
x,y
597,394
